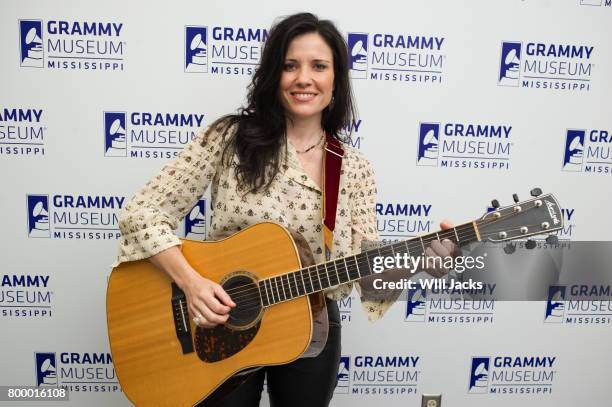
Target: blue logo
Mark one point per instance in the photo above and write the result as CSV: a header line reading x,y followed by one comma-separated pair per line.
x,y
429,139
550,66
115,135
442,301
502,375
196,49
579,304
25,296
72,45
573,152
555,304
510,64
358,55
363,374
223,50
38,216
343,377
66,216
46,369
151,135
588,150
464,145
195,222
416,303
479,375
31,45
396,57
22,131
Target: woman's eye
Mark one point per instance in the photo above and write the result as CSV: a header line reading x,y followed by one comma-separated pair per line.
x,y
288,67
320,67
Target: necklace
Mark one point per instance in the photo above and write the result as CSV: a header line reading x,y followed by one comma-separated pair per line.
x,y
312,146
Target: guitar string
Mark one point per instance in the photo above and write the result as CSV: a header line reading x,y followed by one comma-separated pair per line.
x,y
253,293
313,270
463,233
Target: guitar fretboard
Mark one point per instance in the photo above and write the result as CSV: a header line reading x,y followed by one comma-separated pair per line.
x,y
321,276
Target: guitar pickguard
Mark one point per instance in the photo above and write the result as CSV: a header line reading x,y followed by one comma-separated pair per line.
x,y
221,342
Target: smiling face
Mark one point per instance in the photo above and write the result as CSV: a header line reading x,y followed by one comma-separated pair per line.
x,y
307,82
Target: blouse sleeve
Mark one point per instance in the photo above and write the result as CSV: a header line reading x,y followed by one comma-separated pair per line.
x,y
148,219
363,219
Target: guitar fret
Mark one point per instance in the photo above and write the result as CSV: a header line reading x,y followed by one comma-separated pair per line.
x,y
266,290
294,288
319,277
272,291
456,235
289,286
303,283
346,268
283,287
357,266
297,286
277,290
312,287
286,286
422,245
337,275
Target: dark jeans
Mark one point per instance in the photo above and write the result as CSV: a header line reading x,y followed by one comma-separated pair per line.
x,y
308,382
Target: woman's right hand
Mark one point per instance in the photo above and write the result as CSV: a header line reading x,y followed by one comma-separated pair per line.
x,y
208,303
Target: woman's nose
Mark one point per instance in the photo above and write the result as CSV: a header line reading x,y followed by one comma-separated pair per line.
x,y
304,76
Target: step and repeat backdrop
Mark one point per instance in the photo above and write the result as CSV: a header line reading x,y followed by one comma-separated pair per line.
x,y
460,102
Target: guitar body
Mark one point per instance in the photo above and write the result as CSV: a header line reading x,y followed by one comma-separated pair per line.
x,y
163,359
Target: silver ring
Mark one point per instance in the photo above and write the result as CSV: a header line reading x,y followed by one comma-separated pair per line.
x,y
197,319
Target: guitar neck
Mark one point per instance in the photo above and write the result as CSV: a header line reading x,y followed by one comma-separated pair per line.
x,y
321,276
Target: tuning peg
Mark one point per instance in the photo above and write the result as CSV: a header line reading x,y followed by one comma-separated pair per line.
x,y
515,197
530,244
552,239
495,203
509,248
536,192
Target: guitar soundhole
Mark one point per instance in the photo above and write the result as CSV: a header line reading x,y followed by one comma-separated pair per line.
x,y
245,293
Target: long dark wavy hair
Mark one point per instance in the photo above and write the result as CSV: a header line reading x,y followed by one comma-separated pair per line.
x,y
261,125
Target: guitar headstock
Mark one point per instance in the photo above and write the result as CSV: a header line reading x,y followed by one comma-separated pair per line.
x,y
540,215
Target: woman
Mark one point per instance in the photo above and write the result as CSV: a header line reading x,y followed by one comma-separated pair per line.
x,y
265,164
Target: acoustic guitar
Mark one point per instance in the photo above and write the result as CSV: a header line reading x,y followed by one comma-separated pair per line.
x,y
162,359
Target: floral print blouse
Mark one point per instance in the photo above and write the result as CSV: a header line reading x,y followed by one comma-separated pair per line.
x,y
292,200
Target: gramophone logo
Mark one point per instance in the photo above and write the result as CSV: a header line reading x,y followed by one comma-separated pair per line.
x,y
479,375
555,304
416,305
38,216
344,380
46,369
196,49
429,138
358,55
573,154
30,36
115,135
510,64
195,222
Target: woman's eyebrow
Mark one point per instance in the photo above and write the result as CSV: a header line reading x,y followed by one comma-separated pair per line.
x,y
315,59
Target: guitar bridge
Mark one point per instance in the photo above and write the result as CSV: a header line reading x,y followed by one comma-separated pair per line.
x,y
181,319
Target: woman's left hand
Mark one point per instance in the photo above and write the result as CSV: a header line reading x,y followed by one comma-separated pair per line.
x,y
441,249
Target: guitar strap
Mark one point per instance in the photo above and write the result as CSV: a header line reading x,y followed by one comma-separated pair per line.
x,y
332,163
